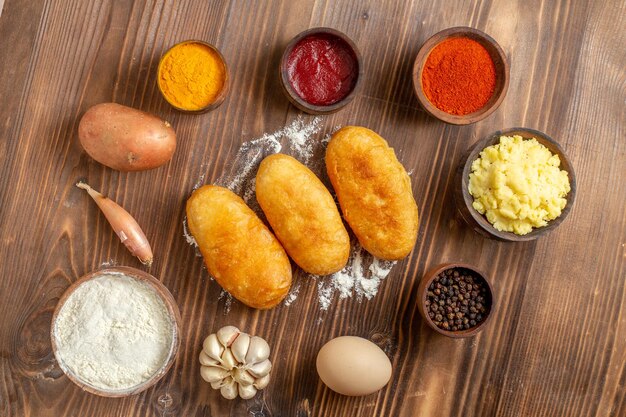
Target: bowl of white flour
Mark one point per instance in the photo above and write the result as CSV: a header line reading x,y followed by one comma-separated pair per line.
x,y
116,331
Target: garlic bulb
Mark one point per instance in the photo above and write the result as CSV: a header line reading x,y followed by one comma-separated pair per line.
x,y
235,363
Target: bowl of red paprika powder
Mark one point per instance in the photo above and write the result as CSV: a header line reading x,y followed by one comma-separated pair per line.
x,y
321,70
460,75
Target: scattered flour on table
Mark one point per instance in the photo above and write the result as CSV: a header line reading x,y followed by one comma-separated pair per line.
x,y
228,300
361,277
363,274
113,332
189,238
293,293
200,180
110,262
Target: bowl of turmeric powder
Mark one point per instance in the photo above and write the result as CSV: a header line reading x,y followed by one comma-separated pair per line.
x,y
460,75
193,77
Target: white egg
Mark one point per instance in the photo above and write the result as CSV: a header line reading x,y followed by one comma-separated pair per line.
x,y
353,366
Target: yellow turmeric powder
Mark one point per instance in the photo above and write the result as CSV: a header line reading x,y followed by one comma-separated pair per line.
x,y
191,75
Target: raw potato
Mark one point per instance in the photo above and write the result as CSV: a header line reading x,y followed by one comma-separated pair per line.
x,y
374,192
239,251
126,139
303,215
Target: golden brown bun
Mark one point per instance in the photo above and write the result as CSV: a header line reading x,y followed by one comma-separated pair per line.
x,y
303,215
239,251
374,192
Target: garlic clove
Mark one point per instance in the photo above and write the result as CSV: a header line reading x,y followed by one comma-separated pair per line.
x,y
212,347
228,360
240,347
243,377
229,389
212,373
262,382
235,363
258,350
247,391
227,335
260,369
206,360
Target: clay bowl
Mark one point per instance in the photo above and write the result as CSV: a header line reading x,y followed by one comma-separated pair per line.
x,y
220,97
422,290
464,199
171,306
495,52
293,96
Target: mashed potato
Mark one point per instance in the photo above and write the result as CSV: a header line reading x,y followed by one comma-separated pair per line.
x,y
517,185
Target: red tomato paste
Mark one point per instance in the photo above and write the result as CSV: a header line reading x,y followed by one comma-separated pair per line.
x,y
322,69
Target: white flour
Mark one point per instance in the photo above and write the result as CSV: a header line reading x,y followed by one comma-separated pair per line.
x,y
293,293
113,332
189,237
228,300
354,279
363,274
110,262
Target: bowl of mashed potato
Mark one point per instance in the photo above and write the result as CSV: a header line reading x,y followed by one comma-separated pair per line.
x,y
515,185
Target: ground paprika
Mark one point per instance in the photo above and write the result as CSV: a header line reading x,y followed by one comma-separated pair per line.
x,y
459,76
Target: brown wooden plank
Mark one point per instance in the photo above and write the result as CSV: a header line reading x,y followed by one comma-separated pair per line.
x,y
557,344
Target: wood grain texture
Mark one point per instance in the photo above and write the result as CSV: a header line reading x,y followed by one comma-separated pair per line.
x,y
556,345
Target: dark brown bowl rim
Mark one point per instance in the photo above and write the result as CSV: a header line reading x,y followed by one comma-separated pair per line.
x,y
479,36
422,292
479,219
223,92
172,309
291,94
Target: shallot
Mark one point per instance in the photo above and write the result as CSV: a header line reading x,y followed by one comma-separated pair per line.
x,y
124,225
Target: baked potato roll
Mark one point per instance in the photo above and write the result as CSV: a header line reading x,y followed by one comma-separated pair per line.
x,y
240,252
374,192
302,214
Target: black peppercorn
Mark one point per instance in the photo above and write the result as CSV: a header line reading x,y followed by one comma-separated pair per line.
x,y
457,299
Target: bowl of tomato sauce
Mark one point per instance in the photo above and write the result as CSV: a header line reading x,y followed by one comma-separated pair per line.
x,y
321,70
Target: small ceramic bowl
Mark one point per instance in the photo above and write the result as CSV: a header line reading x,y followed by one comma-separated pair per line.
x,y
223,92
501,66
463,199
293,96
172,309
422,291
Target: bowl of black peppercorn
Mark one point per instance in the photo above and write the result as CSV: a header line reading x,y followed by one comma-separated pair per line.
x,y
455,299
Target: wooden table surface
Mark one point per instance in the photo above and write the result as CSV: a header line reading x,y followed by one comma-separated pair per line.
x,y
557,343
